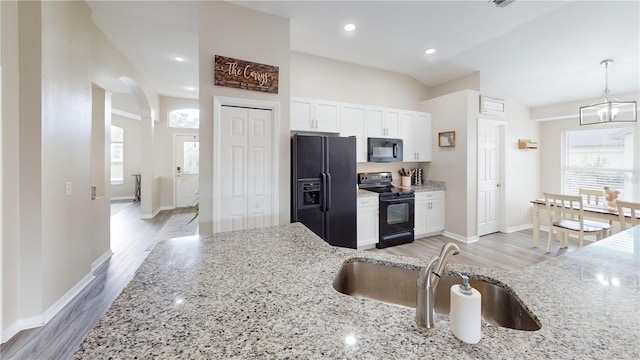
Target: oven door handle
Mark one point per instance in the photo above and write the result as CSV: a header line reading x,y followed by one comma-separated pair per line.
x,y
395,200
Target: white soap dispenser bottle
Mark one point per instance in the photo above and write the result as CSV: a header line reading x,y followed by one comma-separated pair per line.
x,y
465,312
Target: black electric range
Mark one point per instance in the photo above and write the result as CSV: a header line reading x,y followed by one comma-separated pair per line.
x,y
396,208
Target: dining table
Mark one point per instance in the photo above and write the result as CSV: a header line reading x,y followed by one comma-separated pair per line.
x,y
591,211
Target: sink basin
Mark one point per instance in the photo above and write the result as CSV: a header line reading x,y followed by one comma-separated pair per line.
x,y
397,286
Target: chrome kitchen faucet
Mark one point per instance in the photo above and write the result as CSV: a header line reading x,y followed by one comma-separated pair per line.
x,y
428,281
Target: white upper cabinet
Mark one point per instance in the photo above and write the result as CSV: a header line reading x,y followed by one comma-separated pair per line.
x,y
362,121
375,122
422,136
352,123
392,123
416,133
314,115
383,123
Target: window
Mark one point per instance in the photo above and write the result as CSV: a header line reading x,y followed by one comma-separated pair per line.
x,y
117,155
600,157
185,119
191,159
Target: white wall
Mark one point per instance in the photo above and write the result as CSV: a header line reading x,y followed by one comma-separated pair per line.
x,y
164,149
450,164
10,164
51,241
469,82
230,30
322,78
328,79
459,111
523,174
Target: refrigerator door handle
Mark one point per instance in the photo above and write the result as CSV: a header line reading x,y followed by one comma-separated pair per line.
x,y
324,191
328,197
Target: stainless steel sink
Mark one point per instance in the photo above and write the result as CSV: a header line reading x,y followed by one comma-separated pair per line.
x,y
397,286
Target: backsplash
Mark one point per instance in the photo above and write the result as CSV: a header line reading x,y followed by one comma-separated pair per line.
x,y
394,168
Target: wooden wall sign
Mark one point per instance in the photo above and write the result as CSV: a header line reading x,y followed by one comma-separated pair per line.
x,y
246,75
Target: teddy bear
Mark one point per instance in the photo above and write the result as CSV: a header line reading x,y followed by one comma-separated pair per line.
x,y
611,196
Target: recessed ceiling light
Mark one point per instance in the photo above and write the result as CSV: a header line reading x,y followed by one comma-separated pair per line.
x,y
429,51
179,58
349,27
190,88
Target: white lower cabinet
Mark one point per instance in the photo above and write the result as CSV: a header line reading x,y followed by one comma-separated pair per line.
x,y
367,221
429,213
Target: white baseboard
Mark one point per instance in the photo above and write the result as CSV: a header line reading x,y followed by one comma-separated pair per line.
x,y
66,298
468,240
21,324
53,310
155,212
519,228
123,198
104,257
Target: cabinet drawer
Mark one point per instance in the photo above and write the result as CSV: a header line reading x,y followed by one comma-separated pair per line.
x,y
429,195
368,201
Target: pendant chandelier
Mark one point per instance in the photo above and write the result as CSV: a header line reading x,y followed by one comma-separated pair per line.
x,y
608,108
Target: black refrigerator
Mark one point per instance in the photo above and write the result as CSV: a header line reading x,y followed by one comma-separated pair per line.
x,y
323,188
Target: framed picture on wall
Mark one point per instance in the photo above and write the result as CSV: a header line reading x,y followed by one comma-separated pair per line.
x,y
447,139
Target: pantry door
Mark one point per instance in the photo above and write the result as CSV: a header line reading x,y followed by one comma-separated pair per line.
x,y
246,192
187,169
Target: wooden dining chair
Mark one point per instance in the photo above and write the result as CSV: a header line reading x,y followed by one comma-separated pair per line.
x,y
634,208
593,197
566,215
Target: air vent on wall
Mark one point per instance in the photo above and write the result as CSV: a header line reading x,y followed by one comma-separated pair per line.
x,y
502,3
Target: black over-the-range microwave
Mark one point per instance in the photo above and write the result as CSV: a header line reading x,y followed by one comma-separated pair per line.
x,y
384,150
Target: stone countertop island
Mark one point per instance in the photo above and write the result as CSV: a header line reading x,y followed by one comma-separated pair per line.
x,y
267,293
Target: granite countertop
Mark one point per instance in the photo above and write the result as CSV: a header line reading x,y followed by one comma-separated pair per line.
x,y
366,193
429,185
267,293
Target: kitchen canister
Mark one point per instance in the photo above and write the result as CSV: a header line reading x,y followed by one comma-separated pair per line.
x,y
465,312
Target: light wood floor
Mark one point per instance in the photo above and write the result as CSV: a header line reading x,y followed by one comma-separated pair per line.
x,y
131,237
504,251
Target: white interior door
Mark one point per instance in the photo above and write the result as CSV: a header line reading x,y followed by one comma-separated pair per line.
x,y
187,171
246,163
488,177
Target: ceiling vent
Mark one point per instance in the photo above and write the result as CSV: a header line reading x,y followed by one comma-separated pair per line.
x,y
502,3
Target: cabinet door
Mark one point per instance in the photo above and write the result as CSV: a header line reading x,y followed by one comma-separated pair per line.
x,y
391,123
301,114
409,152
326,116
352,123
367,221
435,216
422,136
375,122
420,213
